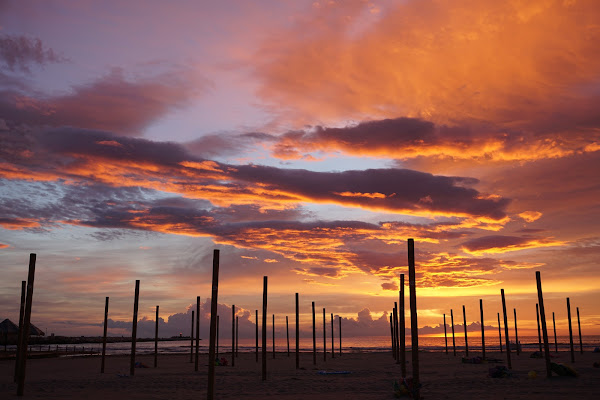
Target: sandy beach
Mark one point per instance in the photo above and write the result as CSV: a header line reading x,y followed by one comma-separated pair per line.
x,y
371,376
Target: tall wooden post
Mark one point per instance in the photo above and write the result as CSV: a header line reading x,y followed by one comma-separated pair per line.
x,y
543,317
192,340
414,328
314,334
570,331
237,335
465,328
340,332
104,335
297,333
554,325
453,339
134,329
197,333
482,330
499,333
217,339
20,335
506,330
264,331
516,333
392,336
397,332
273,336
579,326
324,336
445,334
213,326
256,318
332,339
537,313
156,340
233,335
402,328
25,327
287,334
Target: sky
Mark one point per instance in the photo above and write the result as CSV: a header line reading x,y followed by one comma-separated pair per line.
x,y
307,141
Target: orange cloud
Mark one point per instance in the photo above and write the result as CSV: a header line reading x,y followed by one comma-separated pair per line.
x,y
18,223
4,246
530,216
501,244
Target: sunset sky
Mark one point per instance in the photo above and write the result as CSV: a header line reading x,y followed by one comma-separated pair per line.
x,y
307,140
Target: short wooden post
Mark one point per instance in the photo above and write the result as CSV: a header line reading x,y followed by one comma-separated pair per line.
x,y
213,326
537,313
314,335
402,328
397,333
233,335
414,328
499,333
196,359
332,339
192,340
156,340
516,333
264,331
445,334
297,333
482,330
506,330
392,336
554,326
273,336
543,317
465,328
340,332
453,338
570,331
579,326
287,334
25,326
237,335
134,329
104,335
20,335
324,336
256,318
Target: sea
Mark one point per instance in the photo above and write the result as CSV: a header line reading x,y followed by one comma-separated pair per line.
x,y
349,344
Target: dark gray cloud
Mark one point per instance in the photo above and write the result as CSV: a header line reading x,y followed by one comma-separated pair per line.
x,y
19,52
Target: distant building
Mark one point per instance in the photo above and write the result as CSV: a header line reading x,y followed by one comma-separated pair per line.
x,y
9,331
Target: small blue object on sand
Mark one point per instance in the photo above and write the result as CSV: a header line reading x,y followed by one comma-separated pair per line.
x,y
334,372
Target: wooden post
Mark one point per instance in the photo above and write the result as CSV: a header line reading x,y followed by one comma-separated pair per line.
x,y
402,329
499,333
197,333
104,335
392,336
25,326
570,331
217,338
414,328
554,325
134,329
192,340
516,333
213,326
233,335
445,334
506,330
156,340
20,335
579,326
453,339
340,332
537,313
324,336
264,331
314,334
287,334
465,328
482,330
256,318
297,333
273,336
543,316
397,333
237,335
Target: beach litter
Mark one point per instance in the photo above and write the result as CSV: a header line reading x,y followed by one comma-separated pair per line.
x,y
334,372
404,388
532,374
563,369
499,371
140,365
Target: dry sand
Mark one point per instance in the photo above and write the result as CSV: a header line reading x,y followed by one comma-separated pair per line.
x,y
372,376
